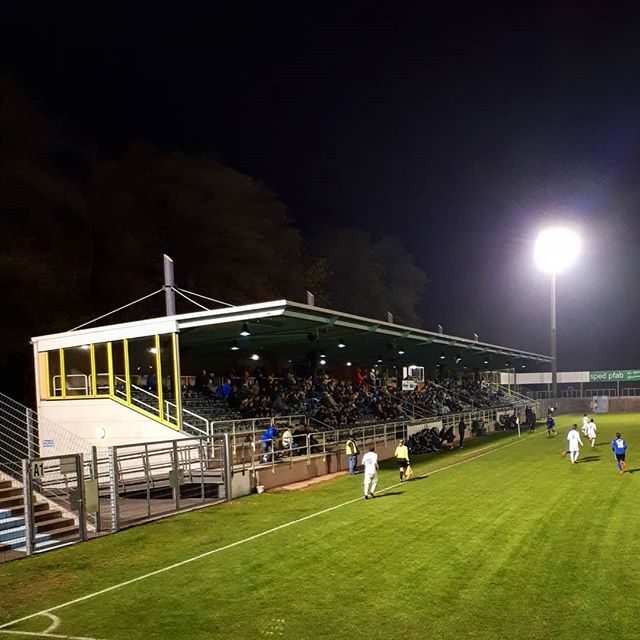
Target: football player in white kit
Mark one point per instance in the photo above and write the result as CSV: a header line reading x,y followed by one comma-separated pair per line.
x,y
575,442
585,424
591,432
370,462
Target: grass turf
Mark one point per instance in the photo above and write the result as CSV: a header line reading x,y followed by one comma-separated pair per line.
x,y
517,543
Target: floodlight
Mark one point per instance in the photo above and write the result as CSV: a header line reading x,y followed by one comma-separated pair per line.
x,y
323,362
234,346
556,249
245,330
348,364
341,345
442,356
400,352
255,356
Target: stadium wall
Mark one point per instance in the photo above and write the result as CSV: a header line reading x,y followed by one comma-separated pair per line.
x,y
629,404
303,469
100,422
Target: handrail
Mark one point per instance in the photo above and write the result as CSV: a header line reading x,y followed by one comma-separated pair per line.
x,y
168,404
512,393
456,396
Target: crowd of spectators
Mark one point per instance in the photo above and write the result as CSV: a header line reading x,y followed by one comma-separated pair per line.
x,y
339,403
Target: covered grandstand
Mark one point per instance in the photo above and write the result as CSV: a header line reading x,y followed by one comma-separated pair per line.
x,y
146,418
138,381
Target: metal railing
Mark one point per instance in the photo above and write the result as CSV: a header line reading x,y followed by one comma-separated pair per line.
x,y
139,482
250,451
24,434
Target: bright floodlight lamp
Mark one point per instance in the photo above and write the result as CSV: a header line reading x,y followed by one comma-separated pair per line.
x,y
245,330
556,249
341,345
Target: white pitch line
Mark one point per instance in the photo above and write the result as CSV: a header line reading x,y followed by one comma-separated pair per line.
x,y
44,635
55,622
487,450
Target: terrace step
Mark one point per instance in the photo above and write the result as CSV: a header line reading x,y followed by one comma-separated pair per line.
x,y
11,501
10,522
38,507
55,525
8,492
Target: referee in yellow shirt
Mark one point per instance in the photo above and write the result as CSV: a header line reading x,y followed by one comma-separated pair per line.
x,y
402,455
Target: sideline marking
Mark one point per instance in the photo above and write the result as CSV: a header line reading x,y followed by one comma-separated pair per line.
x,y
487,450
43,634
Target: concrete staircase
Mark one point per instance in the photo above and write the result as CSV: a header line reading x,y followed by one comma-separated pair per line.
x,y
52,527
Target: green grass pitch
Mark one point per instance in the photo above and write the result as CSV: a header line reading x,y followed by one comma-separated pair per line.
x,y
513,543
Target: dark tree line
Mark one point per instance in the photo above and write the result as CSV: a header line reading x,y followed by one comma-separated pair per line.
x,y
81,234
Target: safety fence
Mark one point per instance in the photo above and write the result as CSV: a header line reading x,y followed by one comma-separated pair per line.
x,y
256,449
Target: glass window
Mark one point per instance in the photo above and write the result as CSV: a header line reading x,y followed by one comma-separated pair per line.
x,y
102,369
142,373
55,381
77,371
168,378
43,368
119,369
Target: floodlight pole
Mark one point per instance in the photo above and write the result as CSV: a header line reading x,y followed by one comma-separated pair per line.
x,y
554,340
169,295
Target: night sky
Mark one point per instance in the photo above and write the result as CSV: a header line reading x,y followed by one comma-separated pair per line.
x,y
462,131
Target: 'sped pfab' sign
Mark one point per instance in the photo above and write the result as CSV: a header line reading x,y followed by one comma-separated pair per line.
x,y
621,375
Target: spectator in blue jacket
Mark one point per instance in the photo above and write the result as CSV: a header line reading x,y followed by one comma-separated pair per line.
x,y
266,442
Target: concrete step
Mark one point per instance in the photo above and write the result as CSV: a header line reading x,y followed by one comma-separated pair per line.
x,y
4,484
42,540
7,536
11,501
38,507
53,543
11,523
46,514
54,524
8,492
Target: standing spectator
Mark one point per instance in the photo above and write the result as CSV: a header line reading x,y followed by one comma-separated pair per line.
x,y
532,420
287,439
402,455
351,449
462,428
266,443
201,380
370,462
